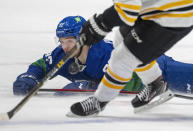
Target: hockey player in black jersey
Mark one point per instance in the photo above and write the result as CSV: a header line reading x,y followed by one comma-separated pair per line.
x,y
149,28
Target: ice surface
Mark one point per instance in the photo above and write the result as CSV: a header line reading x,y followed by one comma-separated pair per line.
x,y
26,32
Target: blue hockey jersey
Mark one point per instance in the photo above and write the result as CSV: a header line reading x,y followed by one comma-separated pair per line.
x,y
97,58
178,75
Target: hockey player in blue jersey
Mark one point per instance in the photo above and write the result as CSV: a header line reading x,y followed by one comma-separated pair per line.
x,y
87,68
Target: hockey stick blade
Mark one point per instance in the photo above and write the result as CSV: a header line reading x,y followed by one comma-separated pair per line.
x,y
166,96
12,112
4,117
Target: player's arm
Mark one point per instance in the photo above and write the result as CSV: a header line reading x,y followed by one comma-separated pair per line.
x,y
36,71
98,26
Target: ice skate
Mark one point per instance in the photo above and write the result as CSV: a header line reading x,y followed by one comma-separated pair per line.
x,y
152,95
89,107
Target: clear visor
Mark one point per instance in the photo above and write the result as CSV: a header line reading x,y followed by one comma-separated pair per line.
x,y
67,41
56,40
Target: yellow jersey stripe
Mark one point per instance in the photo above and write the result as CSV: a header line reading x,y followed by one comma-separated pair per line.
x,y
169,5
146,67
123,14
129,6
157,16
108,84
117,77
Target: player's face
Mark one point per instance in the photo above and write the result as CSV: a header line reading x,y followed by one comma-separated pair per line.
x,y
67,43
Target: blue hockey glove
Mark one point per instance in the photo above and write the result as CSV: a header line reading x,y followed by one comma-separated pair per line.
x,y
94,30
24,83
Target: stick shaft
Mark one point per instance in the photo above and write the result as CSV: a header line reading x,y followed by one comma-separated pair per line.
x,y
12,112
124,92
79,90
184,96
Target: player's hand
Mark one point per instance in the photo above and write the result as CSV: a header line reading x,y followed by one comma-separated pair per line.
x,y
24,83
94,30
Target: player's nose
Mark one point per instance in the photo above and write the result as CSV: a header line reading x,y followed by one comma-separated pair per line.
x,y
65,47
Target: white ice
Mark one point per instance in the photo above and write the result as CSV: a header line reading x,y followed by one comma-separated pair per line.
x,y
27,29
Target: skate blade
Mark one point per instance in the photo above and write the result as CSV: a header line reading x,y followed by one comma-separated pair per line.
x,y
158,101
72,115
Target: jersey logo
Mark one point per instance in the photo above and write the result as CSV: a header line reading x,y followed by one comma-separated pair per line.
x,y
48,58
189,88
80,86
136,36
77,19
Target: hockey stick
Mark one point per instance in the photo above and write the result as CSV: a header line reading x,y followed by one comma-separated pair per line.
x,y
8,115
79,90
184,96
122,92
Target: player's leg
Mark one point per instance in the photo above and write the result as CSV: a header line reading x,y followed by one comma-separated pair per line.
x,y
140,45
147,41
148,73
154,84
177,74
119,34
119,72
